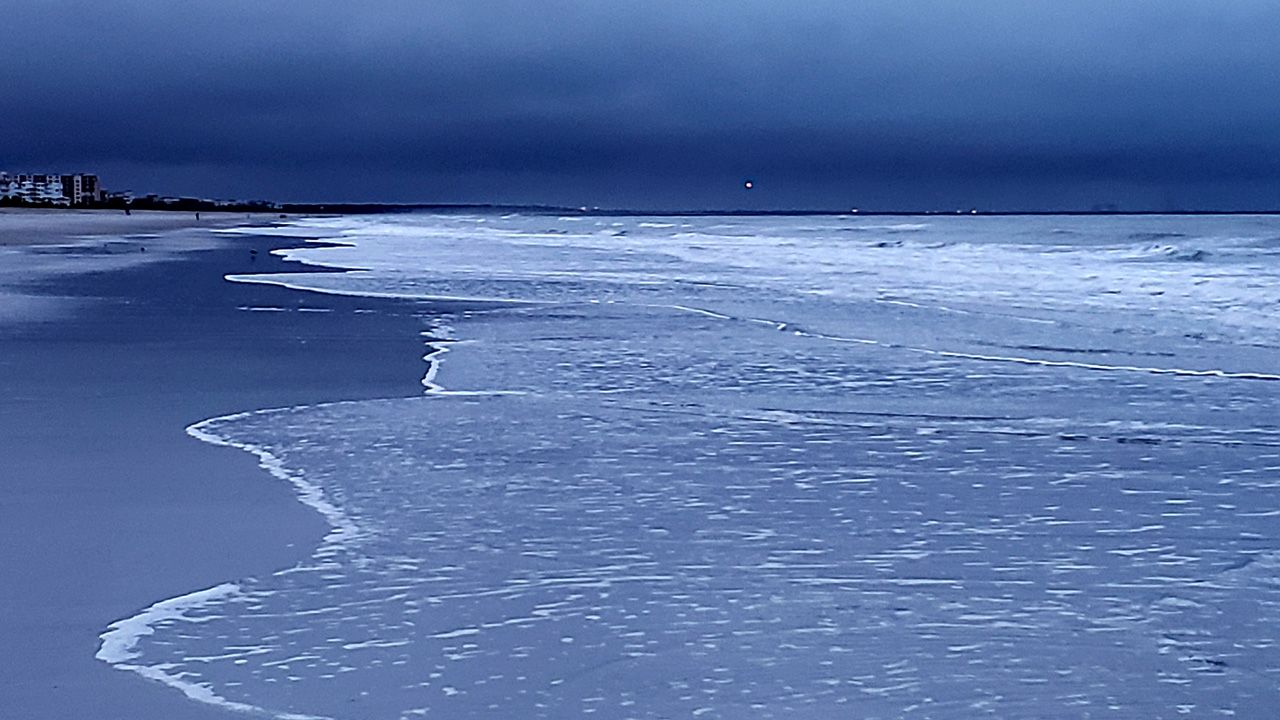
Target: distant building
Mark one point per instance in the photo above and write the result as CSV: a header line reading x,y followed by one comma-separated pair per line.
x,y
47,189
33,188
82,189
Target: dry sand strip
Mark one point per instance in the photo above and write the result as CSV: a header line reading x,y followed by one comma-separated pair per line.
x,y
31,226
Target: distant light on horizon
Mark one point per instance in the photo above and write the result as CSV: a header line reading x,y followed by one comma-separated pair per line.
x,y
748,184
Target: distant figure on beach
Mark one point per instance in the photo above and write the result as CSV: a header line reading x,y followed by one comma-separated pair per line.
x,y
197,217
126,211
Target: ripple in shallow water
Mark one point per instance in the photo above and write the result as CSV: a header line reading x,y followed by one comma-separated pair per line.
x,y
691,511
618,558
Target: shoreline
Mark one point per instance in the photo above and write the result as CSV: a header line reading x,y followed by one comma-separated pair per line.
x,y
43,226
110,503
121,637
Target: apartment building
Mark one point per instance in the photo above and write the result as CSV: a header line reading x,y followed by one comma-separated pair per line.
x,y
44,188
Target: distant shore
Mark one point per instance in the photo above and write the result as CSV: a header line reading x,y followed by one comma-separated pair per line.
x,y
35,226
42,226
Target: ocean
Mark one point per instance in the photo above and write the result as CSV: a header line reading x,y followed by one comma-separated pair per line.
x,y
771,467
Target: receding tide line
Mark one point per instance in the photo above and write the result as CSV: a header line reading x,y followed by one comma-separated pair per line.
x,y
462,300
782,325
1099,366
120,648
309,494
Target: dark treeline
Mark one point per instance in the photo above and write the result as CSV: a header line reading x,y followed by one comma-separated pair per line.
x,y
152,202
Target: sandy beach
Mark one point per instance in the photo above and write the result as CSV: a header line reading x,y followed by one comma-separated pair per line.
x,y
30,226
106,504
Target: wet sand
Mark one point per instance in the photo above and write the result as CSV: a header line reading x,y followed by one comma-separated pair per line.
x,y
106,504
30,226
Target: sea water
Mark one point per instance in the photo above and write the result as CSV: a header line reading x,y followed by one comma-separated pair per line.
x,y
759,467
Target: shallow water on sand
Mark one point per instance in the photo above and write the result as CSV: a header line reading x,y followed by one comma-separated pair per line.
x,y
777,467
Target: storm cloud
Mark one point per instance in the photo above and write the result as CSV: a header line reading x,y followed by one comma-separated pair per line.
x,y
659,104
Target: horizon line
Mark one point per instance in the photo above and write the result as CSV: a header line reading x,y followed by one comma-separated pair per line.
x,y
374,207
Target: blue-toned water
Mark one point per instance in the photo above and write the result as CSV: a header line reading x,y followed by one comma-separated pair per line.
x,y
775,467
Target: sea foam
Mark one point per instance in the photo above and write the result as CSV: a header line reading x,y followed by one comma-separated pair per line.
x,y
773,466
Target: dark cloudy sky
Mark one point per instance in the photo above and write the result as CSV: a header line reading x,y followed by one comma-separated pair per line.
x,y
870,103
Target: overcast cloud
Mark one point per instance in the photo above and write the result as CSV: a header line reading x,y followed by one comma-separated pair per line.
x,y
655,103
